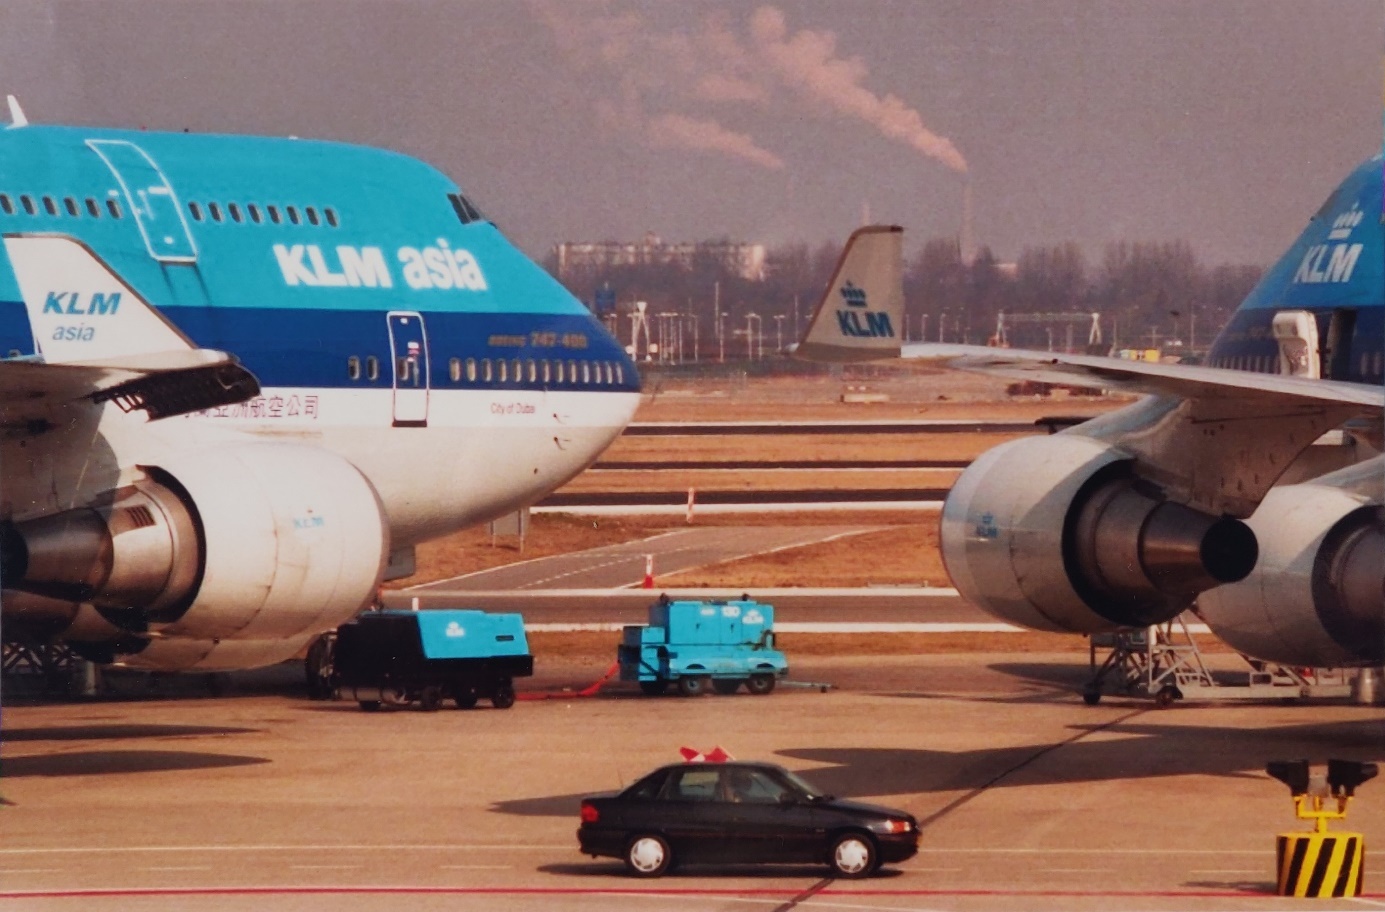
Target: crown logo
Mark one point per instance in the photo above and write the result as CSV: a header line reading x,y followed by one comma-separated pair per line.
x,y
1342,224
853,295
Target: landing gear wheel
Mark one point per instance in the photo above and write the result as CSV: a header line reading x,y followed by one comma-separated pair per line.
x,y
725,685
648,855
430,700
692,685
1166,695
370,706
503,697
318,667
466,698
653,688
760,684
853,855
1091,696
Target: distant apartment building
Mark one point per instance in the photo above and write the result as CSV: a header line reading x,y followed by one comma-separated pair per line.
x,y
744,260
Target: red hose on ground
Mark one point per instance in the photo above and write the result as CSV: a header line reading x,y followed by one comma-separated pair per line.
x,y
589,691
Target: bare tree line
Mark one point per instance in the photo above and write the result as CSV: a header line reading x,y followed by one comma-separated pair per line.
x,y
1148,294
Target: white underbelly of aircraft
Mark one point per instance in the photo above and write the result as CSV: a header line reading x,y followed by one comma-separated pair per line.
x,y
481,454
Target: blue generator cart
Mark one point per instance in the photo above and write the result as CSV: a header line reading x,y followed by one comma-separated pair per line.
x,y
400,658
694,645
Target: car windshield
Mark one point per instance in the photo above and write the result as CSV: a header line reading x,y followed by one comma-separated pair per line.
x,y
803,787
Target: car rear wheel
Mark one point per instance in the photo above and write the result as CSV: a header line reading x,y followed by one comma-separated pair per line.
x,y
853,855
648,855
760,684
466,697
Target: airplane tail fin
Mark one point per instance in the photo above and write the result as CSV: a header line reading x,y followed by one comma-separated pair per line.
x,y
861,315
80,311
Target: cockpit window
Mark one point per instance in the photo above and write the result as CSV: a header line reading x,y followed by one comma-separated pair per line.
x,y
466,212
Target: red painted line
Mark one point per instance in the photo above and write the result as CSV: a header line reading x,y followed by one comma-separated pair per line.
x,y
613,891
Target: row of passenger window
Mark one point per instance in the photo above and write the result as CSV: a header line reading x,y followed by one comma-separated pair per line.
x,y
485,370
258,215
1369,364
531,370
30,205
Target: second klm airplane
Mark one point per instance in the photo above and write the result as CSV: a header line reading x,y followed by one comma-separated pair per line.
x,y
243,377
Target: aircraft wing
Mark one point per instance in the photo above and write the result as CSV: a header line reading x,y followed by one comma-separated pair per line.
x,y
1182,380
1212,438
161,384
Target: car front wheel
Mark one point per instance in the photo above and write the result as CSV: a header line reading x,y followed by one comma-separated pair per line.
x,y
648,855
852,855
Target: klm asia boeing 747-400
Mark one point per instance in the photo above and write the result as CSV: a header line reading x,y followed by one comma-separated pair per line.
x,y
1210,488
243,377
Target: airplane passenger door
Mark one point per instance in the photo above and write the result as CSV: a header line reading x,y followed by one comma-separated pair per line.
x,y
409,345
150,198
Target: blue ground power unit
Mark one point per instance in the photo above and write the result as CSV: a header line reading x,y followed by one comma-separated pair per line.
x,y
396,658
694,645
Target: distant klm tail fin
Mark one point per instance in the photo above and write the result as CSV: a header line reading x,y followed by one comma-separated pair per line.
x,y
17,118
79,310
860,318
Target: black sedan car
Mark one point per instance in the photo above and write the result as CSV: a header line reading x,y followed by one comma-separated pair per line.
x,y
740,812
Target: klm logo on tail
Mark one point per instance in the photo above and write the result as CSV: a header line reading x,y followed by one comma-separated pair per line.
x,y
71,302
861,322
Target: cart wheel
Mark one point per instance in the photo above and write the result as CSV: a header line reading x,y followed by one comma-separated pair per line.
x,y
654,688
466,697
503,697
692,685
726,685
760,684
370,706
430,700
1166,695
1091,696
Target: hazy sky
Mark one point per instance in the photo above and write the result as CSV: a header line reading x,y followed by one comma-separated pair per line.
x,y
1222,122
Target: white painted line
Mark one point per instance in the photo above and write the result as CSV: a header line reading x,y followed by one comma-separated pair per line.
x,y
809,627
30,870
927,506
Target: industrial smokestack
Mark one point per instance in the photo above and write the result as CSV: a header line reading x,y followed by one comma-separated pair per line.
x,y
967,242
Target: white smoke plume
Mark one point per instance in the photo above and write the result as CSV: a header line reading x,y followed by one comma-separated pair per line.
x,y
807,61
708,135
665,81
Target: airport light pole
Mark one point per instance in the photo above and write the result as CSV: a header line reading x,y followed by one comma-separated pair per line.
x,y
750,333
779,332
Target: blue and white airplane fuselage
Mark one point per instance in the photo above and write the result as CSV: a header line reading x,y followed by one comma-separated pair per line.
x,y
381,326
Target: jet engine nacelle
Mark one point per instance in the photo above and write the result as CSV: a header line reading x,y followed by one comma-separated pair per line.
x,y
1058,533
257,542
1317,596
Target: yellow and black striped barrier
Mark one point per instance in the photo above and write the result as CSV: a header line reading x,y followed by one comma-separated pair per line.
x,y
1321,864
